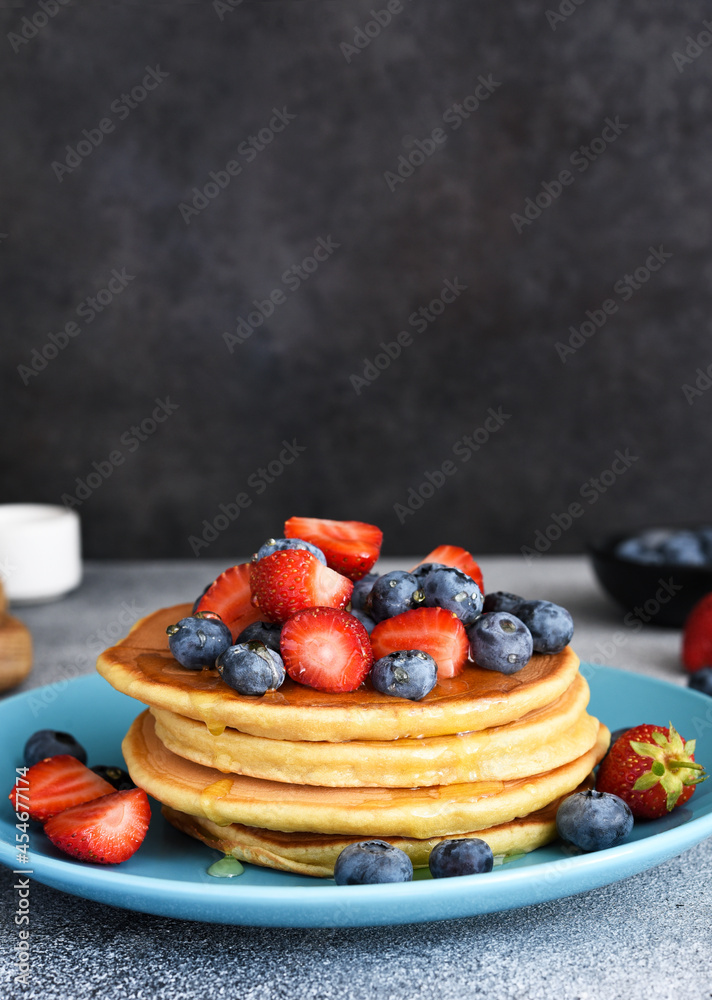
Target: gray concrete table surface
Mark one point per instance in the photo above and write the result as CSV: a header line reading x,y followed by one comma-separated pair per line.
x,y
651,931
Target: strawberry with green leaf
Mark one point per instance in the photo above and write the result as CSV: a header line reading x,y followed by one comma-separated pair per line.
x,y
652,769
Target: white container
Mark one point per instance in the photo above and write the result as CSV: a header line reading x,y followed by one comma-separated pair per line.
x,y
40,551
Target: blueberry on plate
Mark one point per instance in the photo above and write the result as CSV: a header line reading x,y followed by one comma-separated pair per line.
x,y
367,622
371,861
392,594
266,632
500,641
464,856
500,600
251,668
280,544
407,673
453,590
116,776
701,680
593,821
551,626
362,588
197,642
49,743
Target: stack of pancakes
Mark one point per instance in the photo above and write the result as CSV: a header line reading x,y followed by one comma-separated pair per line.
x,y
289,779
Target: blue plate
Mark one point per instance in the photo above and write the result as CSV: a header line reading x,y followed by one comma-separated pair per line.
x,y
168,875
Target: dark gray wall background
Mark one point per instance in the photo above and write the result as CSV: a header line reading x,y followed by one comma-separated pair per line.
x,y
324,175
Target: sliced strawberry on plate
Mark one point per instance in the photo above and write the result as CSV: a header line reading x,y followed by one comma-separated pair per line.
x,y
106,831
230,597
294,579
432,630
697,636
326,649
453,555
55,784
351,547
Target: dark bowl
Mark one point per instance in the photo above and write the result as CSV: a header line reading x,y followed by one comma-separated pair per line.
x,y
658,593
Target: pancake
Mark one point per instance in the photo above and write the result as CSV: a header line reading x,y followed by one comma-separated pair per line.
x,y
542,740
421,813
315,854
142,667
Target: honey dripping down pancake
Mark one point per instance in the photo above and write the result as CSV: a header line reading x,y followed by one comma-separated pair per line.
x,y
141,666
409,812
543,739
315,854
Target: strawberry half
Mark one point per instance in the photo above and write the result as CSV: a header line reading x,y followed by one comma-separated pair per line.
x,y
230,597
326,649
55,784
292,580
106,831
453,555
652,769
432,630
351,547
697,636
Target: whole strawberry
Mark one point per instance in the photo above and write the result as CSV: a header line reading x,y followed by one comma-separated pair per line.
x,y
652,769
697,636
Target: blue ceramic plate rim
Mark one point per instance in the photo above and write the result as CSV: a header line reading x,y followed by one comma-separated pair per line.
x,y
324,904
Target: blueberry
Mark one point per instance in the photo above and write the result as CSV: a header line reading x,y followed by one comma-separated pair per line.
x,y
500,600
705,537
197,642
392,594
199,598
116,776
251,668
701,680
362,588
370,861
422,572
467,856
267,632
684,548
280,544
499,641
407,673
636,550
368,623
593,820
48,743
551,625
453,590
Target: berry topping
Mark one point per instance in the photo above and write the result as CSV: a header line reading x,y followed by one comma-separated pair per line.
x,y
551,626
48,743
351,547
116,776
230,597
392,594
362,588
501,600
197,642
409,673
593,820
326,649
56,784
280,544
453,555
251,668
450,588
701,681
293,580
499,641
105,831
371,861
435,631
266,632
465,856
652,769
697,636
